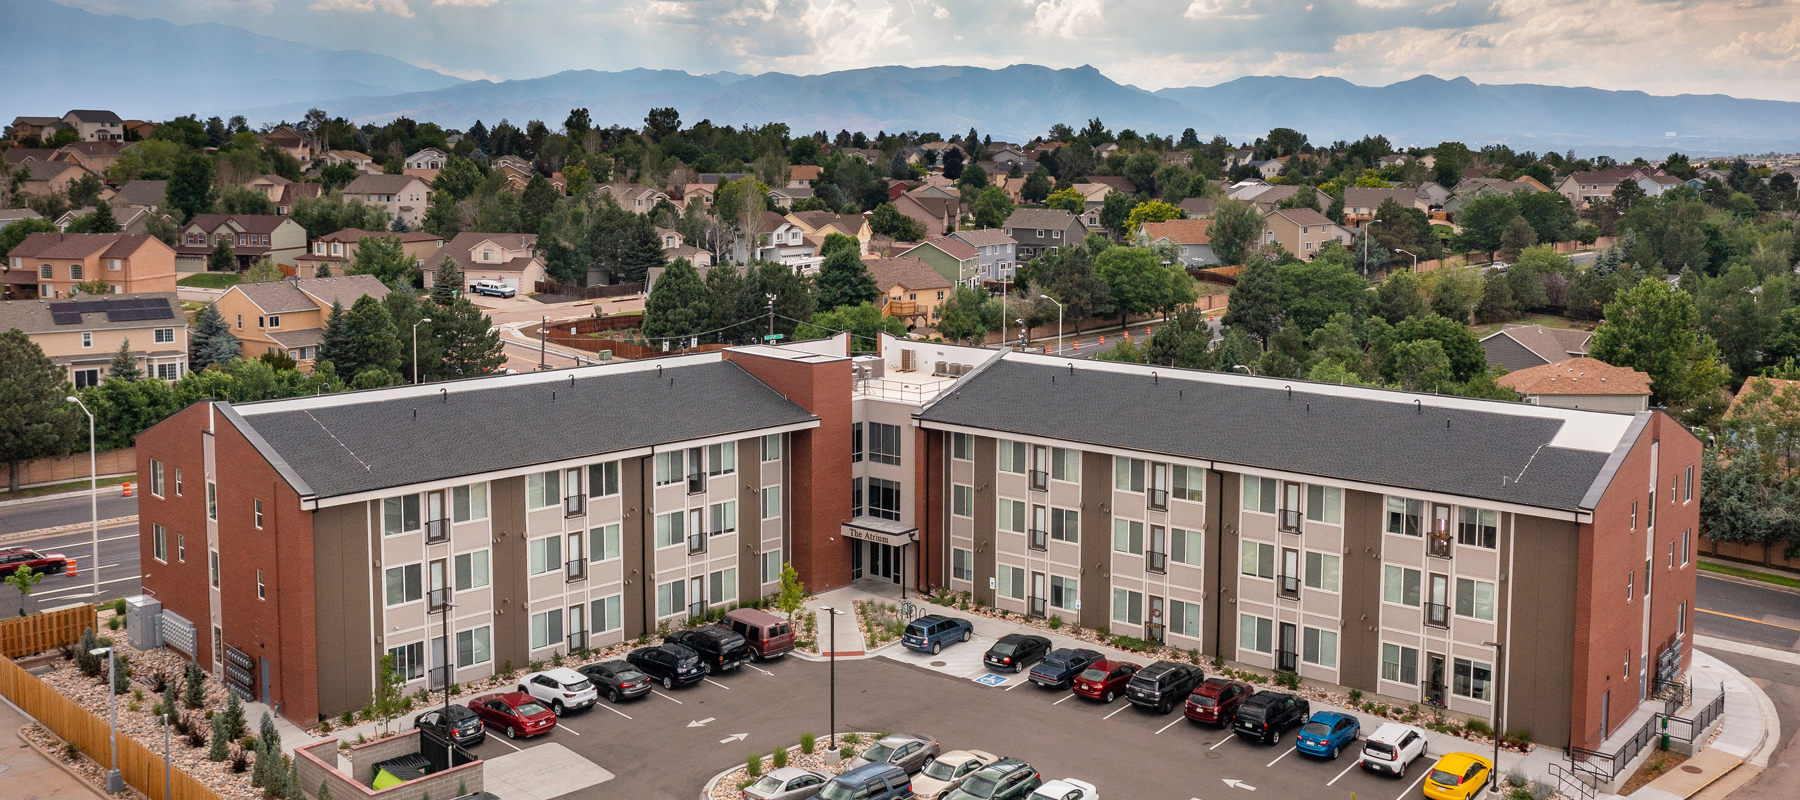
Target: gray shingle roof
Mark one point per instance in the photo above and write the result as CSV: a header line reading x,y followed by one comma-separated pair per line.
x,y
1349,438
373,442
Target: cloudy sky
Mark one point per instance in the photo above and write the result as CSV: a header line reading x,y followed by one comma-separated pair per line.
x,y
1746,48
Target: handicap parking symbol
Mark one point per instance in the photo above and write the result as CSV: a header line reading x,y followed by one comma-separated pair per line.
x,y
990,679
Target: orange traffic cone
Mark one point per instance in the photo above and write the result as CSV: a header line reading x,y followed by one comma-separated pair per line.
x,y
127,485
1078,344
70,570
1103,340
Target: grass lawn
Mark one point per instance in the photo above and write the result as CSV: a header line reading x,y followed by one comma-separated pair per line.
x,y
1751,574
211,280
1545,320
59,488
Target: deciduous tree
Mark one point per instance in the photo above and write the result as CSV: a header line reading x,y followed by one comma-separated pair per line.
x,y
845,281
1236,231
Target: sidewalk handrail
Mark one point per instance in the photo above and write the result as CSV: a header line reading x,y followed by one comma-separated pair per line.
x,y
1570,784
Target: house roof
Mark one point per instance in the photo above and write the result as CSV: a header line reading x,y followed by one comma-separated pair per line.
x,y
108,147
1360,197
1746,394
49,170
35,121
14,156
850,224
1606,176
1577,376
142,192
93,115
297,338
804,172
773,221
1301,216
40,316
1550,456
461,250
954,248
1550,344
940,207
269,180
1199,206
1040,219
381,184
1180,231
1119,182
906,271
354,235
248,223
364,441
10,215
985,237
276,297
81,245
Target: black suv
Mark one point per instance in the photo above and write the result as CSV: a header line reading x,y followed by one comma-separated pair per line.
x,y
1016,651
1269,714
457,723
1059,669
721,649
671,664
1163,685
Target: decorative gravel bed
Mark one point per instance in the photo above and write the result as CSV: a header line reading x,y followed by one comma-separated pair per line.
x,y
85,768
731,785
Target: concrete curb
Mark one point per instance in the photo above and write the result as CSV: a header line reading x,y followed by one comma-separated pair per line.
x,y
706,791
69,528
70,771
64,495
866,654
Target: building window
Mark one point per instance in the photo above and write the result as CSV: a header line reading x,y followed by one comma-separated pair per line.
x,y
471,570
1325,504
544,555
181,548
962,565
1259,494
260,594
884,499
1634,515
1065,525
542,489
1011,457
165,336
668,529
87,339
771,502
159,543
1686,545
723,518
75,272
1681,619
671,598
1256,559
404,584
856,497
771,566
1319,647
546,629
472,647
1256,634
1405,516
469,503
669,468
1630,581
771,447
1128,607
962,446
1687,492
723,585
607,614
962,500
1321,571
1190,484
274,320
856,442
170,372
408,661
1400,585
1128,474
1475,599
1011,582
1399,664
400,514
1478,528
1128,536
45,272
721,459
1065,593
884,444
1471,679
1065,464
1185,546
156,478
212,501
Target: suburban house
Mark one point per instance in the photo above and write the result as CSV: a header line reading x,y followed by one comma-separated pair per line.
x,y
695,192
802,176
251,236
1188,235
1039,229
81,334
633,197
1360,203
404,196
290,141
362,162
1270,197
337,251
1303,231
1582,383
50,177
95,125
510,258
49,265
1199,207
1093,199
785,197
131,219
429,158
141,192
956,260
938,214
909,289
1583,188
94,156
42,127
1181,157
283,192
1238,158
817,225
1655,185
11,215
288,316
998,252
675,246
1518,347
781,240
1268,168
14,156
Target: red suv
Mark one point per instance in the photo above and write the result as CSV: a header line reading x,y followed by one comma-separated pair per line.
x,y
768,635
1216,701
12,558
1103,680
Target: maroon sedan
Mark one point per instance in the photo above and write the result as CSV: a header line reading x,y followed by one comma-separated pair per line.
x,y
1216,701
516,713
12,558
1104,680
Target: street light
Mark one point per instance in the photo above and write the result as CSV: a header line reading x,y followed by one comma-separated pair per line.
x,y
1250,370
93,494
114,781
1021,321
1415,258
1366,234
831,732
1059,318
1499,657
449,672
416,349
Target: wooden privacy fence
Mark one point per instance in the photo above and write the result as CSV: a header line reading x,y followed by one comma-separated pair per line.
x,y
141,767
588,292
25,636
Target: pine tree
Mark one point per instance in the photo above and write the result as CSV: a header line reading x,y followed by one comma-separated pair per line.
x,y
195,694
446,283
374,344
211,340
323,270
845,281
677,303
234,718
102,220
1399,298
124,365
1255,304
471,346
334,343
170,702
221,741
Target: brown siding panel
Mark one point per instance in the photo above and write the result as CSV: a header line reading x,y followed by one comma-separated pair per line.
x,y
1540,629
1096,539
512,642
985,459
634,544
342,605
1359,643
1224,557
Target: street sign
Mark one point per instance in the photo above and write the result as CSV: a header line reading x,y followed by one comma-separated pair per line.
x,y
773,336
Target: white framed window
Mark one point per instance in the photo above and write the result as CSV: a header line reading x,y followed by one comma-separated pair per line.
x,y
258,513
1065,464
1406,517
962,446
1128,536
1010,582
1475,599
400,514
1065,525
1471,679
723,586
962,500
1256,634
1322,571
165,336
771,502
1065,593
721,459
260,592
603,479
1260,494
1325,504
1476,527
771,566
1400,585
1010,515
670,468
544,555
471,570
1186,547
1256,559
405,584
473,646
546,629
1399,664
212,501
884,444
274,320
671,598
1687,492
1011,456
607,614
962,564
181,548
1681,619
1319,647
156,478
469,503
1184,619
722,518
605,543
159,543
1128,607
408,660
1686,545
177,481
771,447
1190,484
1128,474
669,529
543,489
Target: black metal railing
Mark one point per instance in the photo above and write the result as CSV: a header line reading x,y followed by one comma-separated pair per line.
x,y
1039,539
1037,606
1689,729
696,483
1040,480
437,530
1287,661
1434,692
1439,546
577,641
697,609
1570,783
1158,499
1157,562
440,676
1606,766
575,505
696,542
1290,520
1437,615
1289,586
437,599
1674,694
575,569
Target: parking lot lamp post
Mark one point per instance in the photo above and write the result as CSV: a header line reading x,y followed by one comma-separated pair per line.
x,y
1368,233
93,494
115,782
1494,774
1415,257
416,349
831,732
1059,318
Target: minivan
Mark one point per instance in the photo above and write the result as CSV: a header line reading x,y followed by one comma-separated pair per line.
x,y
869,782
769,636
929,634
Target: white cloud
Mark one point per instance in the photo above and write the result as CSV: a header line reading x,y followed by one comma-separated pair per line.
x,y
1067,19
941,13
397,8
465,3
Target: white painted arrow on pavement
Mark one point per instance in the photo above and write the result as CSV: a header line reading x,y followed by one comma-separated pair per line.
x,y
1237,784
700,723
736,737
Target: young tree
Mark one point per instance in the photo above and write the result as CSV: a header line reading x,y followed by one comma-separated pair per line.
x,y
190,187
1037,187
334,343
1237,230
235,726
221,740
1398,298
676,307
888,221
263,270
1255,305
845,281
863,322
102,220
1153,211
211,341
194,694
973,177
24,579
124,365
953,163
221,259
1496,301
446,282
1115,211
991,208
729,302
382,256
387,699
1653,329
791,598
1068,200
1518,236
967,317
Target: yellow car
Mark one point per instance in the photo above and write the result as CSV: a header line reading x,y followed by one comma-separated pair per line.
x,y
1458,776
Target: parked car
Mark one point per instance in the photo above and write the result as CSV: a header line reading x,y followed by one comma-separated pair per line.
x,y
1458,776
1392,747
1217,700
563,689
908,751
929,634
1016,651
768,636
1327,733
1060,667
516,713
1006,779
460,724
868,782
787,783
947,771
671,665
720,648
493,288
1103,680
617,679
1268,714
1066,789
1162,685
12,558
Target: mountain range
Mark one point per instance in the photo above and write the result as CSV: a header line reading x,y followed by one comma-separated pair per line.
x,y
220,69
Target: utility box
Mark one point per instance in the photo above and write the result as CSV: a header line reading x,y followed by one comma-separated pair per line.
x,y
143,622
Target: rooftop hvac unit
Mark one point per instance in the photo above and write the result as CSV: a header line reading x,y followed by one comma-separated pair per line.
x,y
870,367
142,622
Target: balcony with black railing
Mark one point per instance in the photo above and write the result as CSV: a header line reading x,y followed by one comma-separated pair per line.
x,y
1039,539
1037,606
1287,661
1040,480
696,543
1433,692
1437,615
437,531
440,676
697,608
575,569
696,483
1156,561
575,505
1157,498
1290,520
577,641
1438,546
1289,586
437,599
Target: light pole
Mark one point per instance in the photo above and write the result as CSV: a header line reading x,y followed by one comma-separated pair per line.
x,y
1366,235
831,732
115,782
1021,321
449,672
416,349
1248,370
1493,774
1415,258
93,494
1059,322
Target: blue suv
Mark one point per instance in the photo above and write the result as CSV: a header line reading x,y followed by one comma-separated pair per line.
x,y
1327,733
929,634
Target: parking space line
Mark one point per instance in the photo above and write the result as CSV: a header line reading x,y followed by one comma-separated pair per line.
x,y
504,742
1115,713
1065,697
1016,685
1282,756
715,683
561,726
1170,725
614,710
1353,765
1228,737
666,697
759,669
1415,785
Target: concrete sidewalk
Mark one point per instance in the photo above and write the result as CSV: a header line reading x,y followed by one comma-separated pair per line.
x,y
28,775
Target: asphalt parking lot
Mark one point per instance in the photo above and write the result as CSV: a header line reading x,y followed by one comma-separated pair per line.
x,y
669,743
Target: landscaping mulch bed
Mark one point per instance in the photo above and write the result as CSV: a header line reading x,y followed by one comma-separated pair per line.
x,y
730,786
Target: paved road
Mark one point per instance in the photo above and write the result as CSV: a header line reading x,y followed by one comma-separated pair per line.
x,y
1767,616
119,568
64,511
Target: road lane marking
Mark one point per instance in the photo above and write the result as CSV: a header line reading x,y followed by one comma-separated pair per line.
x,y
1283,755
715,683
84,585
561,726
614,710
493,737
1415,785
1228,737
759,669
1170,725
666,697
1060,702
1353,765
1745,619
701,723
1237,784
1115,713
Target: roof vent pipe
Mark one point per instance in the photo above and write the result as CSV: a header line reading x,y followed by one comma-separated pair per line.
x,y
1155,378
446,395
1418,407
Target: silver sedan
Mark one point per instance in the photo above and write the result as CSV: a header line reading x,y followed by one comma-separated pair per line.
x,y
904,750
787,783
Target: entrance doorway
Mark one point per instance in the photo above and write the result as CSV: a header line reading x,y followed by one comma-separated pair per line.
x,y
1434,678
875,560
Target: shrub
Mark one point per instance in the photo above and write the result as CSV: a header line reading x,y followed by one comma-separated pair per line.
x,y
346,719
159,682
847,751
779,758
70,751
85,660
240,762
753,765
195,694
850,738
325,725
234,718
807,740
221,740
137,694
1355,696
1056,622
556,659
112,624
1479,726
